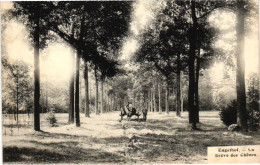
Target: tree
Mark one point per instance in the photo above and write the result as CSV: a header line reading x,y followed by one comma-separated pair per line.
x,y
72,94
240,79
33,15
18,89
253,102
86,89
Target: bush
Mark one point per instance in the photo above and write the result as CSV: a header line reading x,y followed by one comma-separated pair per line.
x,y
51,118
252,102
228,114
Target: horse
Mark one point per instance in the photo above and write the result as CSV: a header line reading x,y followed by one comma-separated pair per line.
x,y
129,112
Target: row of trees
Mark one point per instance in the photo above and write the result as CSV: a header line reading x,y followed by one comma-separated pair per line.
x,y
88,27
181,40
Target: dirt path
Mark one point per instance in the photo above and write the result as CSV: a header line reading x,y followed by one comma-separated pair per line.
x,y
103,139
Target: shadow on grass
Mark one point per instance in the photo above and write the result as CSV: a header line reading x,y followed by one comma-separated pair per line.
x,y
33,155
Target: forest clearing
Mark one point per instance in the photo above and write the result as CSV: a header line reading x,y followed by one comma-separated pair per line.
x,y
103,139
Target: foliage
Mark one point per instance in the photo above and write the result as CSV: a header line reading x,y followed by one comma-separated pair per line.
x,y
17,89
228,114
253,102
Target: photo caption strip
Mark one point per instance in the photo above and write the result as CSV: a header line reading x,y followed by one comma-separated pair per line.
x,y
234,154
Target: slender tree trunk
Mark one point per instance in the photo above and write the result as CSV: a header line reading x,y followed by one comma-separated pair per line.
x,y
96,100
145,100
13,109
181,92
178,97
102,95
197,89
72,93
112,101
151,101
77,90
115,103
159,95
17,98
139,101
154,98
80,93
86,89
240,73
134,101
37,75
148,101
192,51
167,99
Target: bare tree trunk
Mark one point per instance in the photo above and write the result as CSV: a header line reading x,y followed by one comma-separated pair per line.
x,y
148,101
240,73
192,51
181,89
178,97
80,96
154,98
197,89
17,99
96,100
134,101
167,99
139,100
144,101
86,90
37,75
112,101
159,95
102,96
152,109
77,90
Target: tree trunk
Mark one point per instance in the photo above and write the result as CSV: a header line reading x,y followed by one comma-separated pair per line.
x,y
17,99
159,95
178,97
167,99
197,89
181,93
192,51
112,101
96,100
86,90
37,75
154,98
77,90
148,101
134,101
102,95
139,100
240,72
151,97
72,94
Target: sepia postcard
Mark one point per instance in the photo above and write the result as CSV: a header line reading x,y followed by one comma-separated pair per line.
x,y
130,82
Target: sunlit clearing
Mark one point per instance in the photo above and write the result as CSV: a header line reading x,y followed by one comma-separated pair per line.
x,y
57,66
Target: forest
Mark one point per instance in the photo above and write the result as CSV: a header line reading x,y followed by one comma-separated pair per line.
x,y
128,81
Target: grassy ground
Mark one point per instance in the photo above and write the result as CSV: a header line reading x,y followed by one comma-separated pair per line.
x,y
103,139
